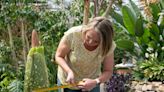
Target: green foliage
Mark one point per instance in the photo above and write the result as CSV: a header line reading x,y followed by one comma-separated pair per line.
x,y
147,38
119,34
129,19
22,1
161,19
9,78
7,73
50,24
5,52
149,70
76,12
6,80
139,30
135,8
161,3
16,86
129,45
117,17
155,10
143,33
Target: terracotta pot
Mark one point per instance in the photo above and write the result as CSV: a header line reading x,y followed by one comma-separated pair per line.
x,y
123,71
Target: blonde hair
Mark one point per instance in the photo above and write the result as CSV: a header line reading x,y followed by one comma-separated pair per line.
x,y
103,26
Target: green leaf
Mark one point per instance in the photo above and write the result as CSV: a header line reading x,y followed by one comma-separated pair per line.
x,y
135,8
161,68
154,68
145,36
151,74
161,19
139,30
154,30
121,26
117,17
129,19
152,44
155,11
162,4
125,44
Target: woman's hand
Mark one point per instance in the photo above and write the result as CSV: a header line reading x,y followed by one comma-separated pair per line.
x,y
70,77
87,84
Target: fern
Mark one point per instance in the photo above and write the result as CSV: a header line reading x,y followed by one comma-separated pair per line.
x,y
15,86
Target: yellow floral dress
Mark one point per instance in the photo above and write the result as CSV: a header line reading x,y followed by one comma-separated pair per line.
x,y
84,63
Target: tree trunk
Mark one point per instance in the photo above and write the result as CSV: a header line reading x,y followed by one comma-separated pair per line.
x,y
26,38
86,11
100,3
95,8
27,42
108,9
23,40
12,45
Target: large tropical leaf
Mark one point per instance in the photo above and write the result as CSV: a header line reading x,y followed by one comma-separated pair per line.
x,y
135,8
120,26
129,19
117,17
125,45
145,37
139,30
154,30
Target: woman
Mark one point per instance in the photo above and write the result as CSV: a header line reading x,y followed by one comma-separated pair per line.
x,y
82,51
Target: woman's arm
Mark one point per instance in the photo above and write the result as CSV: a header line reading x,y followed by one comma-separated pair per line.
x,y
107,72
62,50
